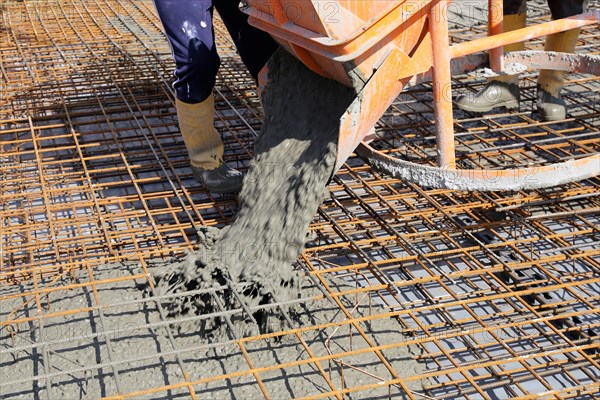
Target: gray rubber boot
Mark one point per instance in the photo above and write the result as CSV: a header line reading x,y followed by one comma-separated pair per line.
x,y
550,104
495,94
550,108
503,90
222,179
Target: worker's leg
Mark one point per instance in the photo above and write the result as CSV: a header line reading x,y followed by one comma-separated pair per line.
x,y
188,26
501,91
550,104
255,46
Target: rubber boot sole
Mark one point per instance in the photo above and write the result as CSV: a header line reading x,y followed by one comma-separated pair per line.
x,y
548,118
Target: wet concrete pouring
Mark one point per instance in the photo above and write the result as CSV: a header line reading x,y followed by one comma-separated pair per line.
x,y
295,155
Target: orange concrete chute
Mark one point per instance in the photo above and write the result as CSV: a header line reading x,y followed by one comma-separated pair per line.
x,y
378,47
327,35
375,47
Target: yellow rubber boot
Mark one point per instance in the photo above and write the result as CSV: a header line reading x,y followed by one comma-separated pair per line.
x,y
550,104
205,148
203,143
500,91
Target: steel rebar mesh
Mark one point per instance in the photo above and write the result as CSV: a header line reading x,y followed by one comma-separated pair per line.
x,y
499,291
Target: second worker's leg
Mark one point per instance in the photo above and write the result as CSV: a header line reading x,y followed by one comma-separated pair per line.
x,y
550,103
500,91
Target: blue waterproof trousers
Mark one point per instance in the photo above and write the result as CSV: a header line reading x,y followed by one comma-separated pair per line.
x,y
189,28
